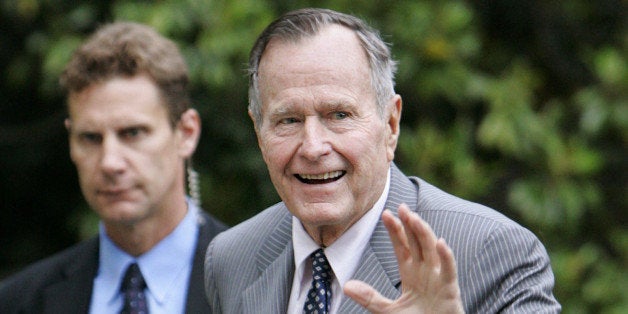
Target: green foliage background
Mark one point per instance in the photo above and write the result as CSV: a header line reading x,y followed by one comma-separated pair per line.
x,y
520,105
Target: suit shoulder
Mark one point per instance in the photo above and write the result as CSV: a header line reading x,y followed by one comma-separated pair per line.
x,y
468,226
31,280
212,224
254,230
45,267
434,203
247,249
501,264
240,246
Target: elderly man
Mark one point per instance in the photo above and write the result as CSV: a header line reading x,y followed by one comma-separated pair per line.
x,y
327,122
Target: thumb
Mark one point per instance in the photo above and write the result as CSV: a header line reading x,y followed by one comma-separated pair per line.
x,y
366,296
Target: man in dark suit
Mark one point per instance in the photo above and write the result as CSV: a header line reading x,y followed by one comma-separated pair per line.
x,y
131,132
353,233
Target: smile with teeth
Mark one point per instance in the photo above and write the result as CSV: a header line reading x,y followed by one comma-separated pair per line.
x,y
320,178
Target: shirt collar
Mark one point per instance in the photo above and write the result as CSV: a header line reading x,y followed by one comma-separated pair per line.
x,y
342,253
157,265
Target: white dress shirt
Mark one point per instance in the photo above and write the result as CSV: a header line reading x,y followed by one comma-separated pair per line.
x,y
343,255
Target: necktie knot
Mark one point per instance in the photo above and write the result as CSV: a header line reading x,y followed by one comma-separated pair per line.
x,y
319,297
133,278
320,266
132,287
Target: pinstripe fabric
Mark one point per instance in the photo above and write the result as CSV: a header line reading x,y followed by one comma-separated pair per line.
x,y
502,267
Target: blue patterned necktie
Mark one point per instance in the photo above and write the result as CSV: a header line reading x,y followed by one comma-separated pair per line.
x,y
132,288
319,297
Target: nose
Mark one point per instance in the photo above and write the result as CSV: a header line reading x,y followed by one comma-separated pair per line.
x,y
315,141
112,159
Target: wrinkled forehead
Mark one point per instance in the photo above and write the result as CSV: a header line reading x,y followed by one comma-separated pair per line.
x,y
332,40
333,53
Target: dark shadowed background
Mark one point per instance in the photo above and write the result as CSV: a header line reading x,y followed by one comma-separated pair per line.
x,y
520,105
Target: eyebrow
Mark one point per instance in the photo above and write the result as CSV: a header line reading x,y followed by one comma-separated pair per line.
x,y
329,105
339,105
282,110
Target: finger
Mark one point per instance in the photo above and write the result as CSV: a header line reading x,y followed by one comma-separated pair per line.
x,y
448,262
366,296
403,213
421,238
397,236
428,241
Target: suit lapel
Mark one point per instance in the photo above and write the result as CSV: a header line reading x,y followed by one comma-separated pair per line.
x,y
196,301
378,265
270,292
375,273
73,293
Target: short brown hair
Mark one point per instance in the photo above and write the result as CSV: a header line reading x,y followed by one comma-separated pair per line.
x,y
128,49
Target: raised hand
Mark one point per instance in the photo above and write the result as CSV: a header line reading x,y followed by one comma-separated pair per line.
x,y
427,267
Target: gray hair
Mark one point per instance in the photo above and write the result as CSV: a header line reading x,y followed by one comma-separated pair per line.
x,y
296,25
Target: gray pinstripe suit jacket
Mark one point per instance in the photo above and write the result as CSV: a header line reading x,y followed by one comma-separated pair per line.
x,y
502,267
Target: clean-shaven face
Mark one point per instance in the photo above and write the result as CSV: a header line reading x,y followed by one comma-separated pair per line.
x,y
326,147
128,156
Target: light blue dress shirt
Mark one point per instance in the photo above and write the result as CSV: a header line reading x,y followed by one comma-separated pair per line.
x,y
166,269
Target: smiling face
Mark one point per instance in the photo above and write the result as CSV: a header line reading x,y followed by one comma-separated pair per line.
x,y
326,147
129,157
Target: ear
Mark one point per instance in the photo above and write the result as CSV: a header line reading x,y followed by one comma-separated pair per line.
x,y
256,127
253,119
258,133
68,124
189,129
393,114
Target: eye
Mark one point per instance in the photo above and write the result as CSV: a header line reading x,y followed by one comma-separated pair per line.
x,y
91,138
340,115
132,132
288,120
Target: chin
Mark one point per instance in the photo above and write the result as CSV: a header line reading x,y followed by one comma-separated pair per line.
x,y
322,216
121,214
126,219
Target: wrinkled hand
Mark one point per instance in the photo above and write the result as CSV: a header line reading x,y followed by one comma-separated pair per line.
x,y
427,267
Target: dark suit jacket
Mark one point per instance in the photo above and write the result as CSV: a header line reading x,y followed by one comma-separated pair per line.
x,y
63,282
502,267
